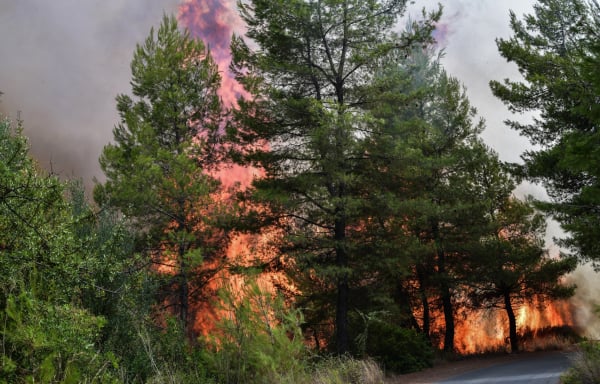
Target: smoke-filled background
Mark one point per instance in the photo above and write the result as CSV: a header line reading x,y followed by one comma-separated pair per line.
x,y
64,61
62,64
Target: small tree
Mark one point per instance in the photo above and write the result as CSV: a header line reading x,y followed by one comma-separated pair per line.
x,y
511,267
158,168
258,338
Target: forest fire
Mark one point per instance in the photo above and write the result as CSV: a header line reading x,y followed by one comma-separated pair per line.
x,y
540,325
476,331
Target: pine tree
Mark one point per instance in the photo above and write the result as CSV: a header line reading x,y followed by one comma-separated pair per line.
x,y
512,267
428,204
164,148
551,47
305,122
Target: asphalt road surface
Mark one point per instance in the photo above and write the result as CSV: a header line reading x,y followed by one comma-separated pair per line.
x,y
543,368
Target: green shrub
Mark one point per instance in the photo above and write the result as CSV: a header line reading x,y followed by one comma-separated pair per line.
x,y
586,365
398,349
258,339
48,342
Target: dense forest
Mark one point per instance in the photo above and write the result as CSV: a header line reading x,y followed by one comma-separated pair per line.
x,y
377,219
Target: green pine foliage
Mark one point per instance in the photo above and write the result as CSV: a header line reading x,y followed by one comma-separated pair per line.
x,y
305,123
552,48
257,340
158,168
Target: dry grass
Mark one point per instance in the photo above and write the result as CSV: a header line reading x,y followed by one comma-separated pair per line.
x,y
346,370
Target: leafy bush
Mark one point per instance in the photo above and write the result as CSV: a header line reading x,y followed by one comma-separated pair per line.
x,y
398,349
45,342
258,339
586,365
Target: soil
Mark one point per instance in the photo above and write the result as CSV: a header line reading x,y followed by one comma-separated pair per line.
x,y
445,369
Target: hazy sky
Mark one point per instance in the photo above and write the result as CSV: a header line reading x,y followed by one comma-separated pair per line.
x,y
64,61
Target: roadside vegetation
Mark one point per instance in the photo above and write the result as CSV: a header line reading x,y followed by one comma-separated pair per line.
x,y
586,365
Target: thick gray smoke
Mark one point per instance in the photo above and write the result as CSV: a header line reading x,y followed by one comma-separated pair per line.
x,y
63,62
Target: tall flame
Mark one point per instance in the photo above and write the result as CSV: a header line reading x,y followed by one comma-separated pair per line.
x,y
487,329
214,22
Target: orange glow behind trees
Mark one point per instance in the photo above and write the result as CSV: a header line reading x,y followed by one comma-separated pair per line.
x,y
214,22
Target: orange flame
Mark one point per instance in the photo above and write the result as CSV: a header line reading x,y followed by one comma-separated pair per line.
x,y
487,329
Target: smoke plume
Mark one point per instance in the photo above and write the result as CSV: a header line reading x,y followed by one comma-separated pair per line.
x,y
214,22
63,63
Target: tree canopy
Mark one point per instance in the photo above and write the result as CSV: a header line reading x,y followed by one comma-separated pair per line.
x,y
159,168
552,48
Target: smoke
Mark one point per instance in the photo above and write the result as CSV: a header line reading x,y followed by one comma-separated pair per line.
x,y
63,63
214,22
586,302
468,30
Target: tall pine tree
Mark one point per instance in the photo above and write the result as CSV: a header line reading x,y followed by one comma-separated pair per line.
x,y
305,123
551,48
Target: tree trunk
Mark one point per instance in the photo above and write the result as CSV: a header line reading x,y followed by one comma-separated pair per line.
x,y
403,300
446,294
182,273
448,319
512,324
183,290
341,315
424,302
446,303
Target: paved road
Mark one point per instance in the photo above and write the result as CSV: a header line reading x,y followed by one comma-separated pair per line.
x,y
543,368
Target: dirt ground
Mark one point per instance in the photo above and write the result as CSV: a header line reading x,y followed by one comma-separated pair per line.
x,y
444,369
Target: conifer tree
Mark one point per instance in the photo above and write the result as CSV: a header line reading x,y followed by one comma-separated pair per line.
x,y
158,167
428,201
305,121
511,267
551,48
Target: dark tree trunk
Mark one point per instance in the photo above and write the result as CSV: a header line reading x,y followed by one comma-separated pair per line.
x,y
449,319
447,305
403,301
183,290
341,315
512,324
424,301
445,291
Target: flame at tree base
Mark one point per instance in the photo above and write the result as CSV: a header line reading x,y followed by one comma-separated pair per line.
x,y
540,325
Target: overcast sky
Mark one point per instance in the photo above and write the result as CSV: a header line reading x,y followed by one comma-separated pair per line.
x,y
64,61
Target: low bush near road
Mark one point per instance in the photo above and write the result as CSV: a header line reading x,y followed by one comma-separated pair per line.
x,y
586,365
